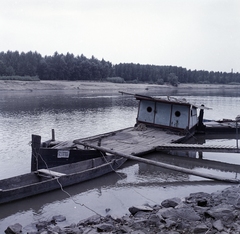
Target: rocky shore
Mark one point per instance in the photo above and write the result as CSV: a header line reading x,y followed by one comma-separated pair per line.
x,y
198,213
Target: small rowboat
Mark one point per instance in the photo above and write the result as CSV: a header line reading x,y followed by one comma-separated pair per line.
x,y
45,180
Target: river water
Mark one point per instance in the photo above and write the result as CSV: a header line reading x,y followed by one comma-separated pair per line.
x,y
74,115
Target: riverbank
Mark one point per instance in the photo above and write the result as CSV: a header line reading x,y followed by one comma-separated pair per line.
x,y
86,86
200,213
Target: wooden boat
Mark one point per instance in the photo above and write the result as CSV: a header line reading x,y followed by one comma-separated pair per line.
x,y
45,180
52,153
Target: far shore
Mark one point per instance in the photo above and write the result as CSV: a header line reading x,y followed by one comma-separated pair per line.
x,y
85,86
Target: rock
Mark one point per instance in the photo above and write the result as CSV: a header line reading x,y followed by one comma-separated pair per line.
x,y
73,229
170,223
138,232
134,209
199,199
90,231
57,229
95,219
107,210
125,229
181,214
223,212
59,218
201,229
163,211
116,218
14,229
218,225
104,227
173,202
42,225
139,224
154,220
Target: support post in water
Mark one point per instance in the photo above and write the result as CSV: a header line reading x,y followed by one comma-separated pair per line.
x,y
237,120
53,135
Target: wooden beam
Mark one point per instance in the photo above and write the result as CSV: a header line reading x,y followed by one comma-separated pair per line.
x,y
50,173
159,164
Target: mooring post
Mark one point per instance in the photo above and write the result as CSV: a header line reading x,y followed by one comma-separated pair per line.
x,y
237,133
36,144
53,135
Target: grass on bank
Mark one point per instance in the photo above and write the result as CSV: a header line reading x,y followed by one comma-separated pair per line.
x,y
20,78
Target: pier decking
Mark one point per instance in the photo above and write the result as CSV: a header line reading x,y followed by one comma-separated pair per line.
x,y
197,147
135,141
140,141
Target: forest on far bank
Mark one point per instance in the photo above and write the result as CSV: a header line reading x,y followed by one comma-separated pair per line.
x,y
71,67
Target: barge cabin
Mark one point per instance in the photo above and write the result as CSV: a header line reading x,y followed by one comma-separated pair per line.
x,y
170,113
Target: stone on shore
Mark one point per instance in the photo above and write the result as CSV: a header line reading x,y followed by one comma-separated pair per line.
x,y
14,229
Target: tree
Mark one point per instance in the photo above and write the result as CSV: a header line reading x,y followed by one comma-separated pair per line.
x,y
173,79
2,68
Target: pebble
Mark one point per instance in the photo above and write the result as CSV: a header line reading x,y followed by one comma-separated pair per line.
x,y
198,213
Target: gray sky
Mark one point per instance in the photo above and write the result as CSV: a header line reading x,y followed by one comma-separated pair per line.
x,y
195,34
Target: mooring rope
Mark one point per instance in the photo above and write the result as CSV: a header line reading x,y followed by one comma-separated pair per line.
x,y
37,155
61,187
123,178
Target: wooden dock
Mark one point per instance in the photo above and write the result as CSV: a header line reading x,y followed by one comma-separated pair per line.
x,y
140,141
133,141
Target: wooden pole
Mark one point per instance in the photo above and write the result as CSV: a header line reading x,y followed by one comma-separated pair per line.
x,y
237,133
159,164
36,144
53,135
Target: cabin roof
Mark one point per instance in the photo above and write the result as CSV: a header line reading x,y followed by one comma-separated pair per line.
x,y
170,100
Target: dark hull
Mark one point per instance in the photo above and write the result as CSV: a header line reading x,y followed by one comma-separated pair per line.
x,y
221,127
222,130
50,157
47,157
31,184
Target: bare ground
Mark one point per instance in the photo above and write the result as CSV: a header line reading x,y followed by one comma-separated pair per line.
x,y
86,86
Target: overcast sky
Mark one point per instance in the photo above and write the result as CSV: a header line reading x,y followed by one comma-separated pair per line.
x,y
195,34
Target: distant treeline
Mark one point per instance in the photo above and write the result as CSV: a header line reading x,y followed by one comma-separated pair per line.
x,y
70,67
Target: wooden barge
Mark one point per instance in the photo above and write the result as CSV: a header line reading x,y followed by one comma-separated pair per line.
x,y
159,121
161,124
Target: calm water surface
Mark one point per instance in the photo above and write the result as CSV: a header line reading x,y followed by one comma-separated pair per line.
x,y
73,115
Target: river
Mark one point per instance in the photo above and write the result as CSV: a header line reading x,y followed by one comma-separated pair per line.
x,y
74,115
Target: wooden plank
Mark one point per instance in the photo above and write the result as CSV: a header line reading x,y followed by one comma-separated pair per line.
x,y
104,135
50,173
163,165
64,144
209,148
135,142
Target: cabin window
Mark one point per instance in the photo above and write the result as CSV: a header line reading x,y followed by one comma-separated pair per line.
x,y
177,113
149,109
